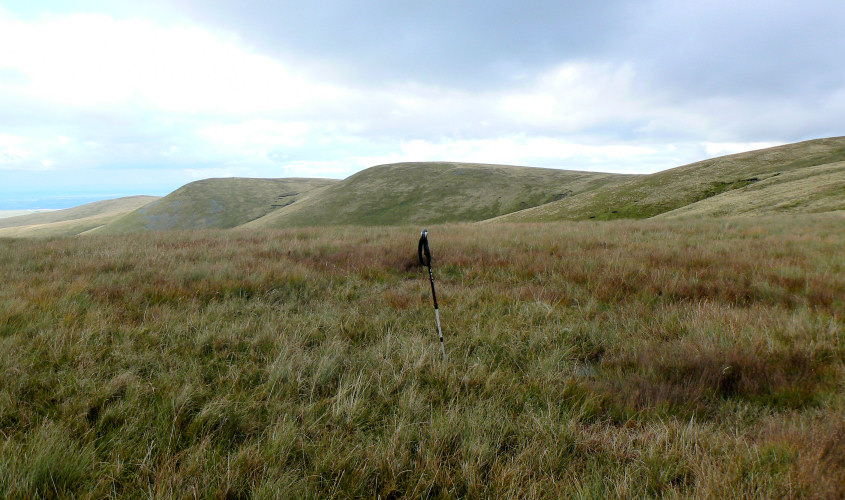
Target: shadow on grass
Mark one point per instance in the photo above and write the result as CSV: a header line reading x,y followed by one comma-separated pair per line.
x,y
701,382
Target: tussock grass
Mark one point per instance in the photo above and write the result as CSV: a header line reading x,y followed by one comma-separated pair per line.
x,y
629,359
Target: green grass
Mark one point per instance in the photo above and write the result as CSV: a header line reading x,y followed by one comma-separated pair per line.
x,y
426,193
806,190
215,204
678,357
683,188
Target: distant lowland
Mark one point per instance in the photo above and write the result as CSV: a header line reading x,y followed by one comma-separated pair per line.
x,y
804,177
16,213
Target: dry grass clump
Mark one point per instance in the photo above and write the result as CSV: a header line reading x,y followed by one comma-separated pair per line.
x,y
626,359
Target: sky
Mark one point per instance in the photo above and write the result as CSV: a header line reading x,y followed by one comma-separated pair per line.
x,y
101,99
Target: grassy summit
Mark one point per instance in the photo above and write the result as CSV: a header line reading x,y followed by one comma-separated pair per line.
x,y
426,193
216,203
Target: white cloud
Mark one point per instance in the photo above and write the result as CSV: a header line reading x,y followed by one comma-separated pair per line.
x,y
13,149
261,132
89,92
205,173
726,148
90,60
575,95
517,150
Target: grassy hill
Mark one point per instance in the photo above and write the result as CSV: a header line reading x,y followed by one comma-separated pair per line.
x,y
426,193
803,177
772,180
807,190
216,204
71,221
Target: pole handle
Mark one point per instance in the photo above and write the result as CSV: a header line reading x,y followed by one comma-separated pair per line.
x,y
422,249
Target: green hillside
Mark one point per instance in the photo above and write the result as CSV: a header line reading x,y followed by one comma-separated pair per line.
x,y
802,177
426,193
806,190
216,204
71,221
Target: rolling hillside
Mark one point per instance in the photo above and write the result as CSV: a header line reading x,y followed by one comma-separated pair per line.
x,y
426,193
71,221
216,204
806,190
804,177
801,177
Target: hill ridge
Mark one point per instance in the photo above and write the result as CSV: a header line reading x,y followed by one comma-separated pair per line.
x,y
803,177
433,192
669,190
215,203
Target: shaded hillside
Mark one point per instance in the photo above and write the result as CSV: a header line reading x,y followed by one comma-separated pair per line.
x,y
426,193
750,174
71,221
216,204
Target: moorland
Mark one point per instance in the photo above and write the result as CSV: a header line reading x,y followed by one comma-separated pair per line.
x,y
277,346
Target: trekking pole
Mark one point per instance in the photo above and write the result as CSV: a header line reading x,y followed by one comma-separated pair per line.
x,y
423,251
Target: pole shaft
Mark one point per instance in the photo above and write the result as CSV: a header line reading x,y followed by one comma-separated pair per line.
x,y
431,278
436,311
440,332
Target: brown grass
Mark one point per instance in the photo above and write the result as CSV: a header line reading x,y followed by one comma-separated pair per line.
x,y
622,359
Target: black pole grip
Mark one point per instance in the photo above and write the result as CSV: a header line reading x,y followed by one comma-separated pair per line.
x,y
422,249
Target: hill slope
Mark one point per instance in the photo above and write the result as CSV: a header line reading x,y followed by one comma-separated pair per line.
x,y
806,190
754,176
71,221
216,204
426,193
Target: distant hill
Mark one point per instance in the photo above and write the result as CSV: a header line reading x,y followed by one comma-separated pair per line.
x,y
427,193
71,221
801,177
804,177
216,204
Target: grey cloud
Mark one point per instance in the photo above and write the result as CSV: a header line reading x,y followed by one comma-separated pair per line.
x,y
775,53
753,57
472,44
702,71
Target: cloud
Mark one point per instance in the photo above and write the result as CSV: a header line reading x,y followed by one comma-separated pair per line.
x,y
539,151
13,150
190,89
727,148
474,44
94,61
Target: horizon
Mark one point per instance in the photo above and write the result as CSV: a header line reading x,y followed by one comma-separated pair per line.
x,y
58,201
104,101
